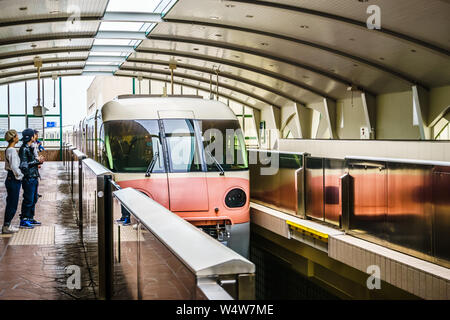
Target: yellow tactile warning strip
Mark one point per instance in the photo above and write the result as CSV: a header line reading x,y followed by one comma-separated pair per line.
x,y
127,233
42,235
308,231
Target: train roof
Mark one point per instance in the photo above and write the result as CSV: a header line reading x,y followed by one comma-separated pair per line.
x,y
156,107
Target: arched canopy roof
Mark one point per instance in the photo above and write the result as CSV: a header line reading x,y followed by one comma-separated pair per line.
x,y
264,52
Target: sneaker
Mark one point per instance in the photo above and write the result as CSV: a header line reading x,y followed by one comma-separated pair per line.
x,y
9,230
120,220
34,222
25,224
126,222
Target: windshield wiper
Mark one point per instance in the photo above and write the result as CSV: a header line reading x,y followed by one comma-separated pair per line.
x,y
222,172
152,164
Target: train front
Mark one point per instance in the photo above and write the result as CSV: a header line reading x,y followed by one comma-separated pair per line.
x,y
191,163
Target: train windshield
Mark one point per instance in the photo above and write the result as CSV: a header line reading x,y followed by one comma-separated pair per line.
x,y
224,145
182,145
131,145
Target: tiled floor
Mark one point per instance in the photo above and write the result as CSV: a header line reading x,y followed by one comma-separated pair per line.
x,y
33,263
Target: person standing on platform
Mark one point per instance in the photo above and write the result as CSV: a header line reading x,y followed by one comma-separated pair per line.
x,y
13,181
29,167
37,147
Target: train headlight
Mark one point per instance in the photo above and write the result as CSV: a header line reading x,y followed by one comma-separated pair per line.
x,y
235,198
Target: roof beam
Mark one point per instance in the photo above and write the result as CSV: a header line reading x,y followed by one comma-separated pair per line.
x,y
108,17
231,64
50,69
353,22
49,37
44,61
347,55
200,79
34,53
227,76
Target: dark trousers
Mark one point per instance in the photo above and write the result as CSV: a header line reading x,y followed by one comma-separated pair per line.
x,y
35,198
29,186
12,199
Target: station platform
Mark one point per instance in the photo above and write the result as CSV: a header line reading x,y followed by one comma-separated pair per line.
x,y
33,262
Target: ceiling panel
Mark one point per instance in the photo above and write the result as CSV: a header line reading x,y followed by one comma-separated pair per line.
x,y
46,44
29,58
373,46
229,71
423,19
20,78
40,9
302,76
366,76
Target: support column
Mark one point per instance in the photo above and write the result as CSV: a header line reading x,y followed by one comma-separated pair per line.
x,y
60,118
329,107
420,111
369,108
303,120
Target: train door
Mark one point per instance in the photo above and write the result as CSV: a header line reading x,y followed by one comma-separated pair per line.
x,y
188,190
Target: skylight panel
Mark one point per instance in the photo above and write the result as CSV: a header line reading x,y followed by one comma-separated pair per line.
x,y
121,26
133,5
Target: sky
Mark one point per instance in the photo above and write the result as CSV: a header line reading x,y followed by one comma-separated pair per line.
x,y
74,98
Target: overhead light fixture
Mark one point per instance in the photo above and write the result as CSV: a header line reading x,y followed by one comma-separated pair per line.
x,y
55,12
249,16
304,27
218,35
230,5
23,8
214,18
33,45
264,44
195,49
29,30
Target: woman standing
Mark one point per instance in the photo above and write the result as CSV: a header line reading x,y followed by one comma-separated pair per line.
x,y
13,180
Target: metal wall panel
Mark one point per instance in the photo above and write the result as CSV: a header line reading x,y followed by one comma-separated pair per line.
x,y
279,190
314,188
409,210
334,169
369,209
441,202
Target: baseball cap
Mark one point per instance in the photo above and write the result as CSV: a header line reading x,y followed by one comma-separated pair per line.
x,y
10,134
27,134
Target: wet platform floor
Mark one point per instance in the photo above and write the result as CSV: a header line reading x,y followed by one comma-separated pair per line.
x,y
33,262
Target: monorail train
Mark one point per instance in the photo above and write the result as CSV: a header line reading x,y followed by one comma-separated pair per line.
x,y
160,146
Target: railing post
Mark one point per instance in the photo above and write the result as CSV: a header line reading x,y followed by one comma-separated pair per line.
x,y
346,201
105,236
80,195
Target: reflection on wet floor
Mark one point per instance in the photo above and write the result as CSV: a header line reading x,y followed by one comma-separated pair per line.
x,y
29,270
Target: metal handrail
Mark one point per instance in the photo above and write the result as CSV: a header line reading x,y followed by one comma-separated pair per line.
x,y
202,254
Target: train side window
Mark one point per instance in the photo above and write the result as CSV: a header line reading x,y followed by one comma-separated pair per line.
x,y
131,145
182,144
